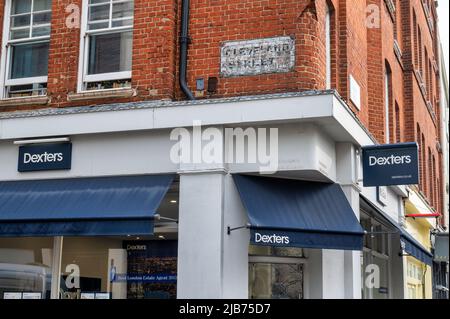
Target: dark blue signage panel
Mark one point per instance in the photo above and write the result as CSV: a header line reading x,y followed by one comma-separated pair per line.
x,y
392,164
45,157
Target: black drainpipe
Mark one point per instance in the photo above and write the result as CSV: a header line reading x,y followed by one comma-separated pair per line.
x,y
184,41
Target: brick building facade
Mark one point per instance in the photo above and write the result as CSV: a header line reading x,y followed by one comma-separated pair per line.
x,y
371,40
331,76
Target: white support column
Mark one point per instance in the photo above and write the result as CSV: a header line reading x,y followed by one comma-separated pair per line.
x,y
211,263
200,234
347,168
56,267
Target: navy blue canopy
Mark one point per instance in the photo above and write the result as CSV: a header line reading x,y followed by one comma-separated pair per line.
x,y
409,244
415,249
81,206
292,213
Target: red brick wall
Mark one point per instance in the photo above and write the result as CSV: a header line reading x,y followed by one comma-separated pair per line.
x,y
213,22
63,54
155,47
417,113
381,56
353,54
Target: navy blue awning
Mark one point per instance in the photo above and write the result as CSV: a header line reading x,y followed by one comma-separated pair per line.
x,y
81,206
292,213
408,243
415,249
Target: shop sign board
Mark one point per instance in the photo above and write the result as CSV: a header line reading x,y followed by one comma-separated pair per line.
x,y
391,164
45,157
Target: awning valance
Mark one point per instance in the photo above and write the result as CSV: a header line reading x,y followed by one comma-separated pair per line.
x,y
292,213
98,206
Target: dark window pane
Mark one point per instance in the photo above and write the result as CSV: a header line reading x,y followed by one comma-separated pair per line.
x,y
27,90
99,12
21,21
122,10
41,31
21,6
42,18
98,25
110,53
41,5
122,23
29,60
97,1
20,34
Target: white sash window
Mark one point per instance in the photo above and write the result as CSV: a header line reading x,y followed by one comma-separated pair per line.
x,y
106,44
26,37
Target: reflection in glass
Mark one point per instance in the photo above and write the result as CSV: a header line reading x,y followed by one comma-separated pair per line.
x,y
25,266
275,281
110,53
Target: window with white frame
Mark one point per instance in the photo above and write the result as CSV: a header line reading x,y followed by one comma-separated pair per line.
x,y
26,38
107,37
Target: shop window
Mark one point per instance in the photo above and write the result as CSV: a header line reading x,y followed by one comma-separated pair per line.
x,y
119,268
275,272
26,268
383,265
107,38
27,45
275,281
415,275
376,252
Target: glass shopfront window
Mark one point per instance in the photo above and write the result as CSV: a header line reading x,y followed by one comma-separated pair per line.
x,y
119,268
101,267
376,259
26,268
415,279
276,273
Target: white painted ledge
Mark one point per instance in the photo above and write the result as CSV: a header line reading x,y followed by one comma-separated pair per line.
x,y
101,94
28,100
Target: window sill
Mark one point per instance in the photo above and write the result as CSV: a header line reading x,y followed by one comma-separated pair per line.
x,y
101,94
28,100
